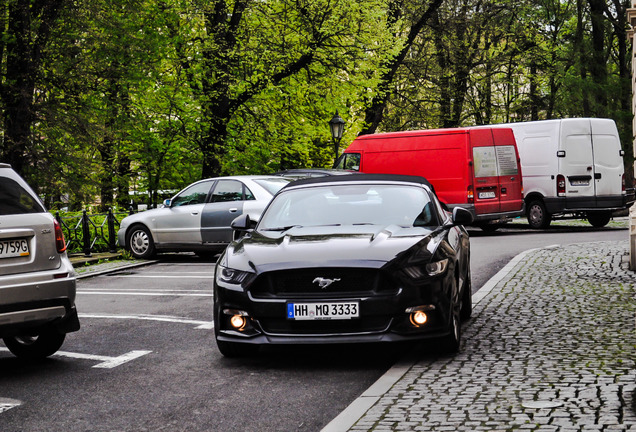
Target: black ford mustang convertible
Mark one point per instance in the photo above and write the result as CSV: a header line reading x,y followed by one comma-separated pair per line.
x,y
345,259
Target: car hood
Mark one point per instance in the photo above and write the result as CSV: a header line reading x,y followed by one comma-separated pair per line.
x,y
352,246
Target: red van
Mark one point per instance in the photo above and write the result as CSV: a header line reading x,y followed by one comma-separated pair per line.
x,y
475,168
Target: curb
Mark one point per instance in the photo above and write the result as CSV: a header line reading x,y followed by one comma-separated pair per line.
x,y
113,269
356,410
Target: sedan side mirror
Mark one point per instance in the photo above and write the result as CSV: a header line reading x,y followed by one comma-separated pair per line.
x,y
461,216
167,202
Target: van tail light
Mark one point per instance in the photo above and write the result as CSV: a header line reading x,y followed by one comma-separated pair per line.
x,y
560,185
623,183
60,244
470,196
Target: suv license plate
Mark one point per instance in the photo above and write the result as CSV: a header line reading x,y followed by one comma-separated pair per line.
x,y
323,311
14,248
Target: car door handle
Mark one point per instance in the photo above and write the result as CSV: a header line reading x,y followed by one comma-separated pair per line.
x,y
233,210
194,213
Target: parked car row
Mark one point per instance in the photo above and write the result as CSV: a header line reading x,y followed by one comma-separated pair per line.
x,y
567,167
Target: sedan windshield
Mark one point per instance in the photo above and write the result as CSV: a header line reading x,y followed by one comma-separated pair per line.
x,y
348,204
273,184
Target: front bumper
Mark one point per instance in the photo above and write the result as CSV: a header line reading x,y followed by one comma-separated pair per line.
x,y
383,318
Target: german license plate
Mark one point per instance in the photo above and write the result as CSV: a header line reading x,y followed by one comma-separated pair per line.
x,y
580,183
323,311
14,248
485,195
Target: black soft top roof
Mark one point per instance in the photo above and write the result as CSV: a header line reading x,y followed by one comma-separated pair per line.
x,y
356,177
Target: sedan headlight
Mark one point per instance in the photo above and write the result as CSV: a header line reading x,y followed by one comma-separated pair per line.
x,y
231,276
430,269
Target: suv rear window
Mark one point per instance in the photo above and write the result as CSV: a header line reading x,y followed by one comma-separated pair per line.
x,y
14,199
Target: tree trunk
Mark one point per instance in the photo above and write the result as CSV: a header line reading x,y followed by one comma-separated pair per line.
x,y
598,66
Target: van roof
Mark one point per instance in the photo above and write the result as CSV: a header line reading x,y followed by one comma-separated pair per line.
x,y
447,131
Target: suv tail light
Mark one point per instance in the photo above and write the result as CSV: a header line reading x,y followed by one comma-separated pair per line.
x,y
470,196
560,180
60,244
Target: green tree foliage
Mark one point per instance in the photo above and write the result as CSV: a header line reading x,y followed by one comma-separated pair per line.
x,y
121,101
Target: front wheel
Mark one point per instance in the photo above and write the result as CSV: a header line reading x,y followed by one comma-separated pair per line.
x,y
35,347
140,242
538,216
451,342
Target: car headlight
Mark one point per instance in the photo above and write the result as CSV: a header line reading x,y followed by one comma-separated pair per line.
x,y
230,275
430,269
438,267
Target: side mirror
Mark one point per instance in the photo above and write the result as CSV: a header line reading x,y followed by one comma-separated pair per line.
x,y
461,216
167,202
242,223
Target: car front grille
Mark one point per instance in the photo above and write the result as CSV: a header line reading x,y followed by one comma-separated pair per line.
x,y
314,283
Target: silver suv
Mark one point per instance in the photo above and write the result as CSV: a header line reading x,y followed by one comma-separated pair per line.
x,y
37,280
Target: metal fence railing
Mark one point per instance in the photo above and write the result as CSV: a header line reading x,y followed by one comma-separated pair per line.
x,y
88,234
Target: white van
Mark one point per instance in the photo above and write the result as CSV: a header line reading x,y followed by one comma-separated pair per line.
x,y
571,167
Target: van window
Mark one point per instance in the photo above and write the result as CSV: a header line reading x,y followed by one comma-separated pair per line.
x,y
495,161
507,160
485,162
348,161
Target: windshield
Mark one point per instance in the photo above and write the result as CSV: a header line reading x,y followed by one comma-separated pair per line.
x,y
348,204
274,184
348,161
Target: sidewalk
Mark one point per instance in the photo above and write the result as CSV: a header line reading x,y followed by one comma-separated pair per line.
x,y
550,347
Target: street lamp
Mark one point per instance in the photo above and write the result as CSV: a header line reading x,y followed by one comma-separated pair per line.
x,y
337,127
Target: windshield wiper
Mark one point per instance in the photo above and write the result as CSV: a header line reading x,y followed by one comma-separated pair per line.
x,y
285,228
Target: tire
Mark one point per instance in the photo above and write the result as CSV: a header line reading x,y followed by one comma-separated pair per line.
x,y
140,242
467,300
35,347
599,219
538,216
451,343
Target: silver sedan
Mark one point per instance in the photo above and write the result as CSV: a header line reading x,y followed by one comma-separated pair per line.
x,y
198,218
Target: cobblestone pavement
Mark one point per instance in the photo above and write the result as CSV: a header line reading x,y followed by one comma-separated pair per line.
x,y
550,348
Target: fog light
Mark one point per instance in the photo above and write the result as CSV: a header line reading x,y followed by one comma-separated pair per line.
x,y
418,318
238,322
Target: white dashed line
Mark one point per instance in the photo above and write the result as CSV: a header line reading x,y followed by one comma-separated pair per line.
x,y
106,362
206,325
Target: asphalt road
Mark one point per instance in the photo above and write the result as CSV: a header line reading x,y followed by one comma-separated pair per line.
x,y
145,359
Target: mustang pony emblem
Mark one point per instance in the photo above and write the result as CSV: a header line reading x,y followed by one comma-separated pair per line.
x,y
324,283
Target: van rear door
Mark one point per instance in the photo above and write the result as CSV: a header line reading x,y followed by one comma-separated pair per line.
x,y
510,183
576,163
485,175
608,163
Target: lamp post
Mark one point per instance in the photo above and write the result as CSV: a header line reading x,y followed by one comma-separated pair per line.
x,y
337,127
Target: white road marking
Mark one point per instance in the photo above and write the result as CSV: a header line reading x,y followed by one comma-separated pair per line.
x,y
6,404
206,325
172,276
106,361
142,293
